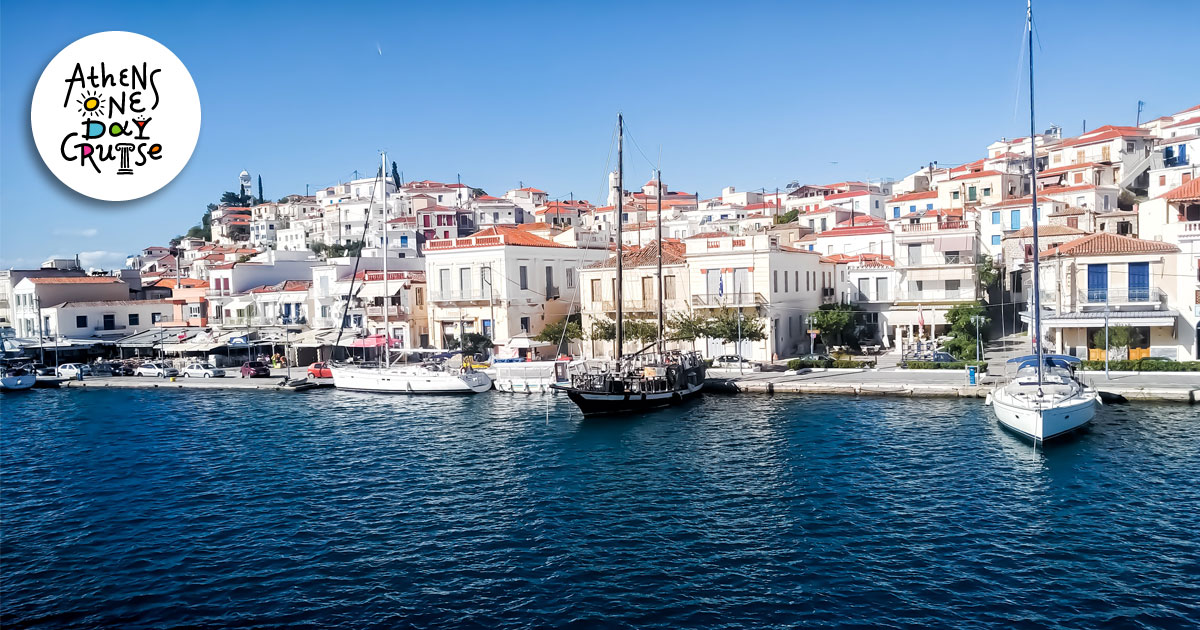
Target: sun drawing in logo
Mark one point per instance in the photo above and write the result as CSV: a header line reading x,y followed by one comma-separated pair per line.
x,y
89,104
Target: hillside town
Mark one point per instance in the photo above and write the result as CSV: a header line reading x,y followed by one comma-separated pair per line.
x,y
1118,209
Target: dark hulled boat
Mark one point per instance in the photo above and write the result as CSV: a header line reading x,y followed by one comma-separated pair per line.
x,y
651,378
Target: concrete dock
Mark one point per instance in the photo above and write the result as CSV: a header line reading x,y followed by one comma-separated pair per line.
x,y
1160,386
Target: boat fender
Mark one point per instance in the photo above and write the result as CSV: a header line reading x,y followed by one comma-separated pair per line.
x,y
988,399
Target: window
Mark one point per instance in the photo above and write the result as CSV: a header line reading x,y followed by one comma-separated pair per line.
x,y
157,317
881,289
775,281
464,281
524,324
785,282
951,288
954,194
524,271
551,290
796,280
668,287
896,212
596,293
864,285
929,206
912,208
823,224
1106,202
570,277
81,321
808,281
995,217
987,192
1014,220
133,319
444,280
1073,222
995,239
971,193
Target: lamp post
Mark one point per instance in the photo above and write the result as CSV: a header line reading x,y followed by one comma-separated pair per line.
x,y
978,340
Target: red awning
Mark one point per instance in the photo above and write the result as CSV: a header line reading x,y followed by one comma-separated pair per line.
x,y
374,341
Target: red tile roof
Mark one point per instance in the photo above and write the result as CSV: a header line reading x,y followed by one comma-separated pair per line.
x,y
1056,190
1187,192
493,237
1045,230
913,196
870,260
532,190
377,276
1105,244
184,283
673,252
976,174
846,195
1182,123
1068,168
77,280
1104,134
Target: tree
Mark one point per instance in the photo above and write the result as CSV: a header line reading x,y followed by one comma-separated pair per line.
x,y
987,272
641,330
230,198
688,326
562,332
317,247
725,326
475,343
1120,338
395,174
603,330
963,340
261,198
834,321
478,192
787,217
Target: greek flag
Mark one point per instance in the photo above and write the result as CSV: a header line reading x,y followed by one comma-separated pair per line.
x,y
721,287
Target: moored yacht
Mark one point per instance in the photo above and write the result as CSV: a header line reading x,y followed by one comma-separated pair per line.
x,y
1045,399
422,378
14,378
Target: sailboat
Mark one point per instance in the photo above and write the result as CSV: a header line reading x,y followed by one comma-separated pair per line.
x,y
651,378
427,377
15,378
1045,399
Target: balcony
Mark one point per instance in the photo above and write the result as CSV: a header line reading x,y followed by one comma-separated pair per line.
x,y
938,261
740,299
932,296
469,295
390,311
1123,297
938,226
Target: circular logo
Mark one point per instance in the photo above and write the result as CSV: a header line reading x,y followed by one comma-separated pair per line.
x,y
115,116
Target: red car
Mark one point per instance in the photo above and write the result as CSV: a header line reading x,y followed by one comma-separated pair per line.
x,y
255,369
319,370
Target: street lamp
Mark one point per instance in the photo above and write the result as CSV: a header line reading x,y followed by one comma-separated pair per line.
x,y
978,341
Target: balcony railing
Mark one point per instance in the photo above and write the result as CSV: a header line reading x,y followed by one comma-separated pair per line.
x,y
714,300
937,295
391,311
938,226
1141,295
939,261
470,295
635,306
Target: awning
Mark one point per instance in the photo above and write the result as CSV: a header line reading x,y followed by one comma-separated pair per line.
x,y
525,342
372,290
1095,319
952,243
374,341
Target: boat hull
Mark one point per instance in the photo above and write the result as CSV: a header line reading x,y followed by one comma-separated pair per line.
x,y
389,381
1045,423
602,403
18,383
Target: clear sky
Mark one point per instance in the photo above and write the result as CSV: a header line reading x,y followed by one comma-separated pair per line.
x,y
747,94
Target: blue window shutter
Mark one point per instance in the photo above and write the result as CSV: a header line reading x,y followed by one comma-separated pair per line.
x,y
996,217
1139,281
1015,219
895,213
995,239
929,206
912,208
1097,283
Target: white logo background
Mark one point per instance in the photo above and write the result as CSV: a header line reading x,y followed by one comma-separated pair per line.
x,y
134,121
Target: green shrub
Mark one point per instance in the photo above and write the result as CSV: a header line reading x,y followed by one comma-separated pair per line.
x,y
1144,366
796,364
957,365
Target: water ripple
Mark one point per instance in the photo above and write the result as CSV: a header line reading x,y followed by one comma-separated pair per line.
x,y
150,509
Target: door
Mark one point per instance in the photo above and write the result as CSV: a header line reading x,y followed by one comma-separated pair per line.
x,y
110,322
1097,283
1139,282
741,286
1139,344
712,281
648,290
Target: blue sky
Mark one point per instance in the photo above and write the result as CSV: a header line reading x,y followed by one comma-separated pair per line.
x,y
748,94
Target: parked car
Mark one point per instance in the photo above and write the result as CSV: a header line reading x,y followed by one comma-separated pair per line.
x,y
155,369
319,370
122,369
203,370
255,369
72,370
816,357
943,357
41,369
735,362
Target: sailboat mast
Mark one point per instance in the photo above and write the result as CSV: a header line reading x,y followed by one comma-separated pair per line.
x,y
620,336
1037,251
387,333
658,226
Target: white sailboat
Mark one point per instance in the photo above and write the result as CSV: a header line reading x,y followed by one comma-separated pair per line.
x,y
423,378
1045,399
14,378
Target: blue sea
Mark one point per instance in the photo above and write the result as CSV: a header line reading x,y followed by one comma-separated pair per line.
x,y
328,509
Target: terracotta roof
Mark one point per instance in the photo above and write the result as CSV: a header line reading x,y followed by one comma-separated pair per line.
x,y
1103,134
1105,244
870,260
377,276
845,195
532,190
976,174
185,283
646,256
492,237
1044,230
709,235
913,196
1187,192
77,280
1070,211
1068,168
1182,123
114,303
858,228
1057,190
861,220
